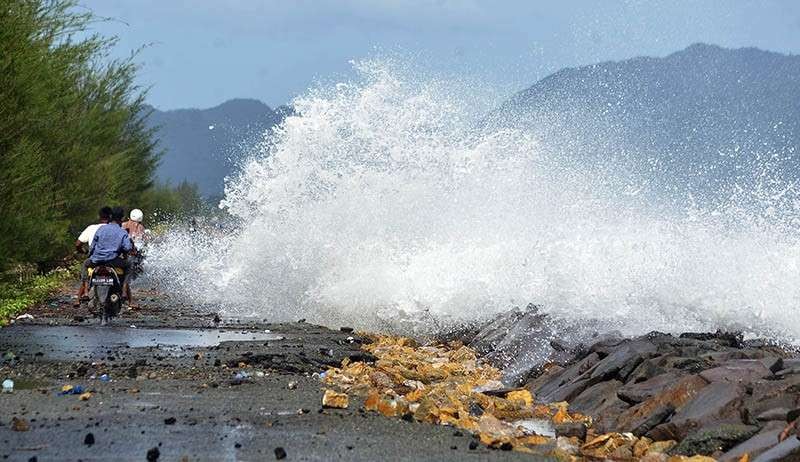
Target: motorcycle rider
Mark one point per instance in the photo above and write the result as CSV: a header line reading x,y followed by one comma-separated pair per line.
x,y
136,231
86,238
111,243
134,226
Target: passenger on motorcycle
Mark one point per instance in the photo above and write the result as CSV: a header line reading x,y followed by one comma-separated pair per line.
x,y
85,239
110,246
134,226
137,233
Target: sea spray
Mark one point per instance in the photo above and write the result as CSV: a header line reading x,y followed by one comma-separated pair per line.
x,y
390,201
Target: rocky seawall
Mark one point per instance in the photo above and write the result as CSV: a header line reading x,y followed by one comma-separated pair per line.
x,y
715,394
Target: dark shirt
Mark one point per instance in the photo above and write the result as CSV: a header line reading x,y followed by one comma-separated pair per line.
x,y
109,242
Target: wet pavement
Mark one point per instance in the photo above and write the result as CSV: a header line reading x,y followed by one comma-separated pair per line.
x,y
89,342
183,386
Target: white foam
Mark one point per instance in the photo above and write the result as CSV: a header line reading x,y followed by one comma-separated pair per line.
x,y
384,199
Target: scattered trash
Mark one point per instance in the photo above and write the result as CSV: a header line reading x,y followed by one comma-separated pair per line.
x,y
24,316
280,453
89,439
292,385
8,386
70,390
335,399
259,373
85,396
19,425
132,326
105,378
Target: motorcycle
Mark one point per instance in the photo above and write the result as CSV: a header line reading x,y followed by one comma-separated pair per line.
x,y
106,283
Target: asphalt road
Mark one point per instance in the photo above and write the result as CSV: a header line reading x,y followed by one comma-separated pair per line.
x,y
173,392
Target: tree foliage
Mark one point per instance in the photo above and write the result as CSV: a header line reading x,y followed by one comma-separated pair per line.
x,y
73,132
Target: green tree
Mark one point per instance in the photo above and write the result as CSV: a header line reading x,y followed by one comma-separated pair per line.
x,y
73,132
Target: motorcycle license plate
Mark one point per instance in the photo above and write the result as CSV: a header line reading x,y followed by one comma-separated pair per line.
x,y
104,281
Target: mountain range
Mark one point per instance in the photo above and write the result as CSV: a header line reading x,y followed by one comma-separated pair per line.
x,y
202,146
703,113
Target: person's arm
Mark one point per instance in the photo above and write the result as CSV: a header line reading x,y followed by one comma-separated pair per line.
x,y
93,246
126,245
82,239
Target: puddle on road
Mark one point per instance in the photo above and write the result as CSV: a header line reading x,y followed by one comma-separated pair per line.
x,y
61,341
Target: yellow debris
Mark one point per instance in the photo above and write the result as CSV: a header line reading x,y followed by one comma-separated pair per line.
x,y
85,396
335,399
437,383
521,395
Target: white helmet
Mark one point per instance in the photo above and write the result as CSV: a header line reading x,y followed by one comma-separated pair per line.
x,y
137,215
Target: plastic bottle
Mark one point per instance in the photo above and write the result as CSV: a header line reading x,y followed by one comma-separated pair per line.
x,y
8,386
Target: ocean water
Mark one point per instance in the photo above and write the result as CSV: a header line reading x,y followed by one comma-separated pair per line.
x,y
389,202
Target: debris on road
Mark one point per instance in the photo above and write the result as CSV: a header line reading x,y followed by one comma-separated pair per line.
x,y
448,385
70,390
19,425
335,399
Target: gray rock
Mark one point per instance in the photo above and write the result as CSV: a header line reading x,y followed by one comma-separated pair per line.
x,y
640,416
601,402
771,394
648,369
549,390
754,446
651,420
773,363
788,372
568,391
788,450
623,360
719,402
790,363
688,364
491,334
552,372
712,439
572,429
744,371
778,413
637,392
521,341
595,398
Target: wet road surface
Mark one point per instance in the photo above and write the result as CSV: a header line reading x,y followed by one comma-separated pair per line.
x,y
202,391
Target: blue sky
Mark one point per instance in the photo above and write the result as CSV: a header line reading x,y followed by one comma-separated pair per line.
x,y
199,53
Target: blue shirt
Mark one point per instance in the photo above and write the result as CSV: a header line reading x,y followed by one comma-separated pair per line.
x,y
109,242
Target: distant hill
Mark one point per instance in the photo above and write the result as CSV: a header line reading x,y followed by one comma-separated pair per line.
x,y
202,145
704,114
